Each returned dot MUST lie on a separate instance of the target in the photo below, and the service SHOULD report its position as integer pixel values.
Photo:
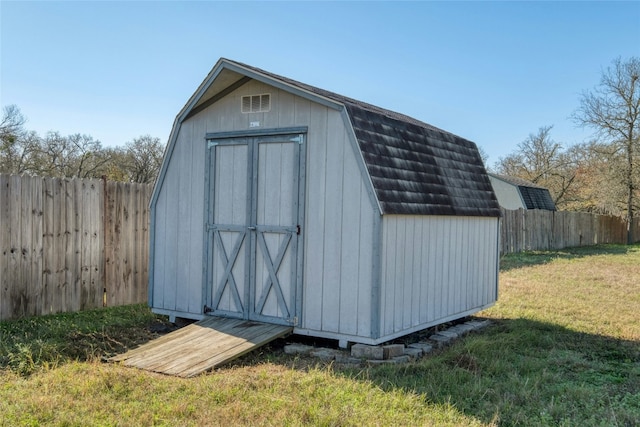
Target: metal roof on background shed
(537, 198)
(415, 168)
(533, 195)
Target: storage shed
(518, 193)
(281, 202)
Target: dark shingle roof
(415, 168)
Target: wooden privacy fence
(71, 244)
(527, 230)
(74, 244)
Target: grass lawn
(564, 349)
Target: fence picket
(5, 218)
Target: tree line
(23, 151)
(602, 175)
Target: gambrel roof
(414, 168)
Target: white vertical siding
(435, 267)
(339, 214)
(339, 233)
(333, 199)
(183, 226)
(314, 217)
(178, 227)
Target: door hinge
(294, 321)
(298, 230)
(207, 309)
(297, 139)
(211, 144)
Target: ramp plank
(201, 346)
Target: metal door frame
(252, 231)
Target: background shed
(285, 203)
(518, 193)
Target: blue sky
(492, 72)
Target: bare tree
(12, 122)
(543, 161)
(144, 158)
(70, 156)
(16, 144)
(612, 109)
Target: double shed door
(253, 227)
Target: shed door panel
(276, 229)
(253, 228)
(228, 240)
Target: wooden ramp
(201, 346)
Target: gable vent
(256, 103)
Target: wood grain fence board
(20, 247)
(131, 249)
(109, 254)
(47, 246)
(5, 223)
(142, 235)
(125, 254)
(36, 245)
(145, 218)
(60, 243)
(24, 248)
(97, 236)
(138, 272)
(123, 272)
(88, 220)
(16, 293)
(120, 271)
(96, 249)
(111, 232)
(84, 249)
(130, 259)
(73, 267)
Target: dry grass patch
(593, 289)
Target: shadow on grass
(531, 258)
(525, 372)
(515, 372)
